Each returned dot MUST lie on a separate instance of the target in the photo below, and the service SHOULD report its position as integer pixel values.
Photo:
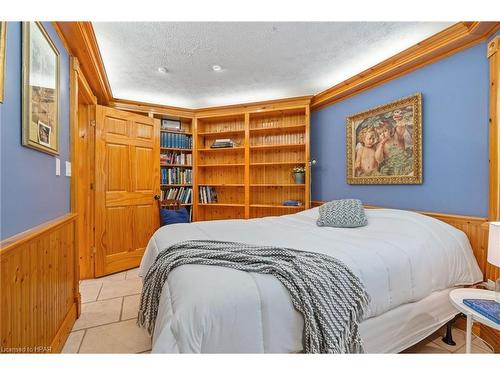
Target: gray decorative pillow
(342, 213)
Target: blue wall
(455, 139)
(31, 193)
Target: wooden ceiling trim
(455, 38)
(267, 105)
(142, 107)
(81, 42)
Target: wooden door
(127, 178)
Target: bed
(408, 263)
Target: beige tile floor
(107, 323)
(110, 304)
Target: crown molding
(260, 106)
(453, 39)
(80, 40)
(146, 108)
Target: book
(291, 202)
(486, 307)
(208, 194)
(222, 143)
(176, 140)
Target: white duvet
(400, 257)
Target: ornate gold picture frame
(384, 144)
(40, 89)
(3, 40)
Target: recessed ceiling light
(162, 69)
(216, 68)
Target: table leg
(468, 338)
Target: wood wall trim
(260, 106)
(80, 40)
(64, 330)
(147, 108)
(494, 131)
(267, 105)
(19, 239)
(84, 88)
(455, 38)
(64, 42)
(81, 97)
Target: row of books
(176, 176)
(273, 139)
(208, 194)
(179, 158)
(182, 194)
(176, 140)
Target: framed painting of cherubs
(384, 144)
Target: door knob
(157, 197)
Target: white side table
(456, 298)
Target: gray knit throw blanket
(330, 297)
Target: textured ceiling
(259, 60)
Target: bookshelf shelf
(223, 149)
(174, 132)
(221, 204)
(277, 163)
(176, 185)
(278, 185)
(277, 206)
(222, 165)
(223, 185)
(175, 149)
(176, 165)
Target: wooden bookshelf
(222, 169)
(253, 178)
(178, 158)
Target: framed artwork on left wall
(3, 40)
(40, 88)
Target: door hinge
(91, 186)
(92, 123)
(93, 250)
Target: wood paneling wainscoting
(39, 295)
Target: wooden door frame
(80, 94)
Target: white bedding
(400, 257)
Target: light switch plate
(58, 167)
(68, 169)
